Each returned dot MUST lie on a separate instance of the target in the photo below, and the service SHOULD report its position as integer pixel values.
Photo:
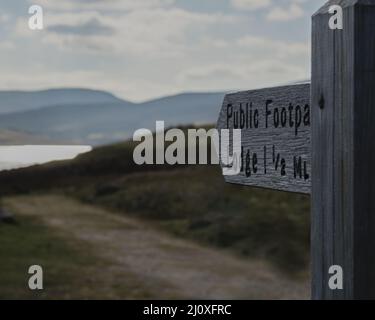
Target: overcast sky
(141, 49)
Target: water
(13, 157)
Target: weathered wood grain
(275, 143)
(343, 151)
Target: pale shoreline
(14, 157)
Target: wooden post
(343, 150)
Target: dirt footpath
(171, 267)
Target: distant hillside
(102, 122)
(9, 137)
(189, 201)
(15, 101)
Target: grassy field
(90, 253)
(72, 268)
(248, 221)
(191, 202)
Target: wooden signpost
(337, 167)
(275, 127)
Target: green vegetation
(195, 203)
(192, 202)
(73, 270)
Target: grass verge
(71, 269)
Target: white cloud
(294, 11)
(150, 48)
(106, 5)
(266, 72)
(253, 62)
(275, 48)
(7, 45)
(150, 33)
(4, 18)
(282, 12)
(250, 4)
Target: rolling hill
(191, 202)
(112, 120)
(16, 101)
(10, 137)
